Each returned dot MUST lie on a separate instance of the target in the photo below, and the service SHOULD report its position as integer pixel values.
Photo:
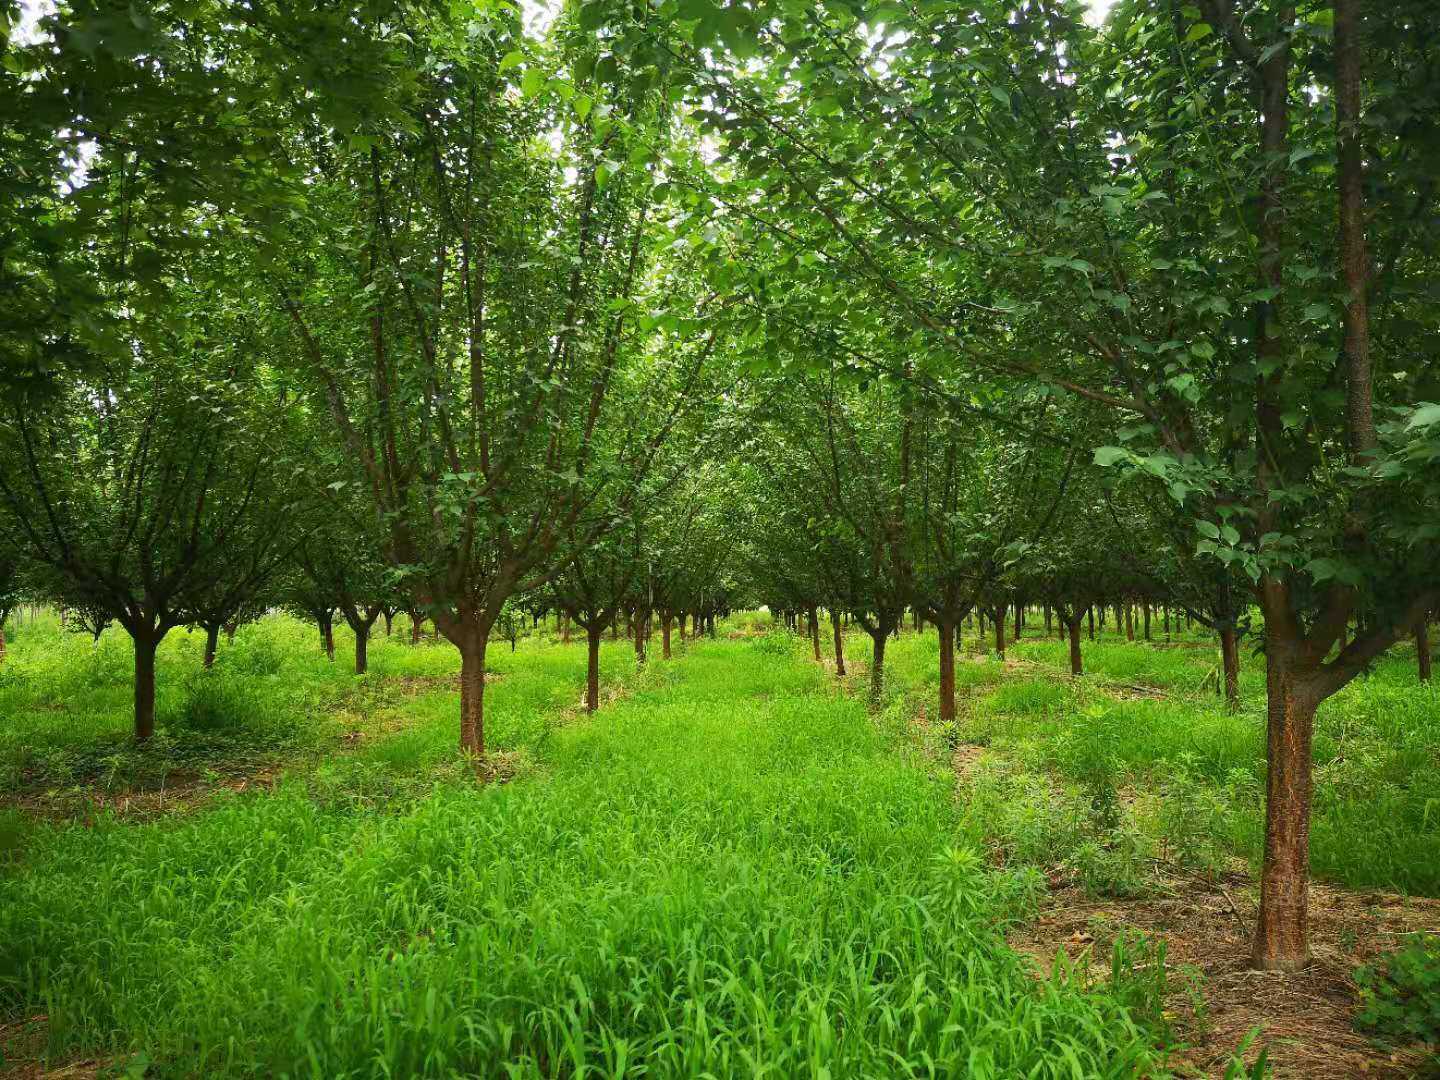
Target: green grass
(730, 871)
(1196, 769)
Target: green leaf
(1109, 455)
(511, 59)
(1199, 32)
(1207, 528)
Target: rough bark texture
(665, 621)
(1354, 260)
(472, 695)
(839, 644)
(1000, 633)
(1281, 940)
(1076, 668)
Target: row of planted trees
(974, 302)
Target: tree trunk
(947, 668)
(472, 698)
(1091, 613)
(1129, 622)
(815, 632)
(1422, 648)
(1230, 661)
(710, 621)
(389, 617)
(362, 649)
(839, 644)
(592, 669)
(1000, 632)
(1019, 619)
(665, 621)
(1048, 628)
(1281, 939)
(145, 687)
(1146, 609)
(637, 626)
(1073, 629)
(565, 629)
(1166, 610)
(212, 644)
(877, 662)
(329, 631)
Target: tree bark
(212, 644)
(145, 647)
(1091, 613)
(839, 644)
(1073, 629)
(1422, 648)
(1230, 661)
(1354, 259)
(472, 693)
(362, 649)
(665, 621)
(592, 669)
(1146, 609)
(815, 632)
(877, 663)
(1000, 632)
(1281, 939)
(1129, 622)
(947, 668)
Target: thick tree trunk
(815, 632)
(839, 644)
(1230, 661)
(330, 639)
(145, 687)
(472, 693)
(1422, 648)
(1073, 629)
(565, 629)
(1281, 939)
(665, 621)
(1129, 622)
(947, 668)
(212, 644)
(592, 669)
(1048, 628)
(1000, 633)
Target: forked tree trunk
(592, 668)
(1422, 649)
(145, 647)
(839, 644)
(1281, 940)
(212, 644)
(1073, 629)
(1230, 661)
(815, 632)
(947, 668)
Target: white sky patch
(1097, 10)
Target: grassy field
(731, 870)
(1142, 760)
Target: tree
(143, 493)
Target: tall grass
(729, 872)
